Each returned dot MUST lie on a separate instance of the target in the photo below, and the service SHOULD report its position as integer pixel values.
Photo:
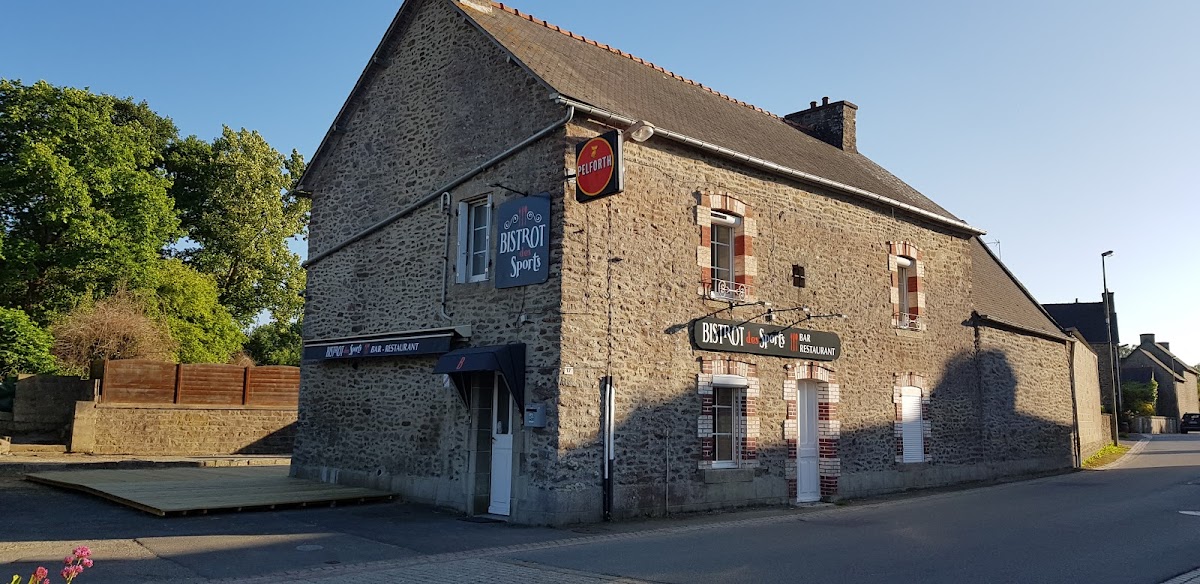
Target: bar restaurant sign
(523, 245)
(430, 345)
(763, 339)
(598, 171)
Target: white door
(808, 483)
(502, 444)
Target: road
(1121, 525)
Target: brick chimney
(1147, 339)
(829, 122)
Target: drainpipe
(1074, 403)
(446, 255)
(444, 189)
(606, 435)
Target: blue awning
(508, 360)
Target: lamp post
(1112, 352)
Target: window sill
(728, 475)
(909, 333)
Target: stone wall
(1094, 429)
(442, 100)
(1155, 425)
(181, 430)
(45, 404)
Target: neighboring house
(1088, 319)
(762, 315)
(1176, 379)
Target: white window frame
(466, 251)
(903, 266)
(735, 425)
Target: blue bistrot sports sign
(523, 245)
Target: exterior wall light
(640, 131)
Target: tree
(24, 346)
(238, 213)
(83, 196)
(186, 302)
(1139, 398)
(116, 327)
(275, 343)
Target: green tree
(1139, 398)
(83, 196)
(186, 302)
(239, 213)
(24, 346)
(275, 343)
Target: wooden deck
(182, 491)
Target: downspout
(446, 208)
(610, 117)
(445, 188)
(1070, 344)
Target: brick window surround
(907, 286)
(829, 429)
(746, 430)
(745, 267)
(911, 380)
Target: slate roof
(997, 295)
(1156, 361)
(618, 82)
(1137, 374)
(1087, 317)
(1167, 352)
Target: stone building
(1177, 389)
(552, 281)
(1088, 319)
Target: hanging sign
(523, 245)
(763, 339)
(428, 345)
(598, 171)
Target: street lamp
(1112, 352)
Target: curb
(1132, 453)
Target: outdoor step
(37, 448)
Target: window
(722, 246)
(725, 427)
(904, 270)
(908, 290)
(727, 265)
(474, 240)
(912, 433)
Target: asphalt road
(1121, 525)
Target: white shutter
(910, 428)
(460, 266)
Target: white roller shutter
(910, 428)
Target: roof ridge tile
(555, 27)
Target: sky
(1064, 129)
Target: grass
(1105, 455)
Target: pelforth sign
(523, 245)
(598, 170)
(764, 339)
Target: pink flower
(87, 562)
(67, 573)
(40, 573)
(67, 560)
(82, 551)
(46, 581)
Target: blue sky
(1062, 128)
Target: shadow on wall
(986, 421)
(278, 442)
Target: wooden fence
(153, 382)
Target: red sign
(598, 167)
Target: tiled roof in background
(996, 294)
(610, 79)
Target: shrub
(1139, 398)
(24, 346)
(116, 327)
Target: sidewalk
(16, 465)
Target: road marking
(1196, 513)
(1188, 578)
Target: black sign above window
(763, 339)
